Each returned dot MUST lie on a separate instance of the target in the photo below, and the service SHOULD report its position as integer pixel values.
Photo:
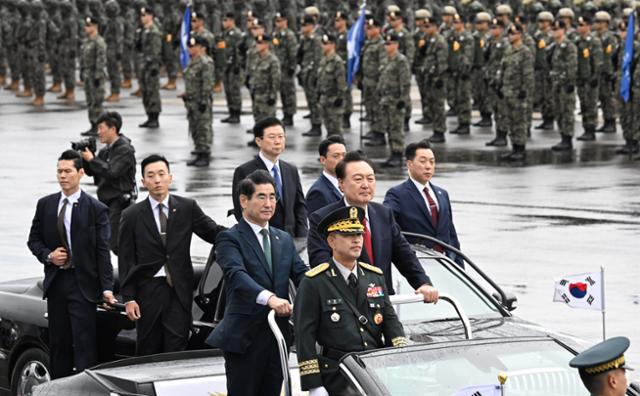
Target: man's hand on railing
(281, 306)
(429, 293)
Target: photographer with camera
(113, 169)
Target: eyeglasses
(264, 198)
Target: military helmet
(66, 5)
(537, 7)
(527, 2)
(566, 12)
(422, 14)
(554, 5)
(603, 16)
(392, 8)
(626, 12)
(483, 17)
(314, 11)
(504, 9)
(449, 10)
(466, 2)
(578, 3)
(545, 16)
(112, 8)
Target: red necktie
(434, 214)
(368, 246)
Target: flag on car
(479, 390)
(355, 40)
(185, 30)
(627, 60)
(584, 291)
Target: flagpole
(604, 330)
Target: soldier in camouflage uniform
(265, 79)
(607, 81)
(420, 42)
(37, 55)
(171, 21)
(67, 47)
(436, 53)
(498, 44)
(460, 62)
(114, 37)
(332, 84)
(233, 72)
(4, 15)
(564, 69)
(130, 24)
(340, 25)
(589, 64)
(198, 29)
(149, 78)
(94, 61)
(541, 97)
(23, 27)
(567, 15)
(372, 56)
(517, 86)
(407, 48)
(198, 78)
(285, 47)
(446, 30)
(8, 25)
(479, 84)
(629, 110)
(54, 21)
(309, 55)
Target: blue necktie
(276, 177)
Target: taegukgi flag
(584, 291)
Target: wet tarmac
(524, 225)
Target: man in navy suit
(258, 261)
(325, 189)
(383, 241)
(421, 207)
(290, 212)
(70, 235)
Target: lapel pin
(174, 211)
(278, 238)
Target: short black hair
(261, 125)
(154, 158)
(593, 382)
(323, 148)
(351, 156)
(113, 119)
(72, 155)
(248, 186)
(412, 148)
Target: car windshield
(532, 367)
(448, 280)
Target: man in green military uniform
(564, 68)
(542, 99)
(309, 55)
(493, 75)
(149, 78)
(37, 53)
(265, 79)
(589, 64)
(460, 62)
(285, 46)
(332, 86)
(94, 61)
(68, 50)
(434, 72)
(130, 23)
(480, 87)
(170, 25)
(603, 367)
(630, 109)
(340, 25)
(233, 71)
(343, 306)
(406, 48)
(607, 83)
(420, 42)
(372, 57)
(198, 78)
(114, 37)
(198, 29)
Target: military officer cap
(147, 11)
(497, 23)
(395, 14)
(391, 37)
(229, 15)
(483, 17)
(603, 16)
(449, 10)
(458, 18)
(341, 15)
(281, 15)
(504, 9)
(198, 40)
(559, 24)
(256, 23)
(602, 357)
(527, 2)
(328, 38)
(346, 220)
(422, 14)
(566, 12)
(91, 20)
(584, 20)
(197, 15)
(263, 38)
(545, 16)
(314, 11)
(372, 22)
(308, 20)
(516, 28)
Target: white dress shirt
(333, 180)
(156, 217)
(432, 193)
(267, 162)
(263, 296)
(345, 272)
(73, 200)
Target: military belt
(334, 354)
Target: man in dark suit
(154, 262)
(290, 212)
(258, 261)
(70, 236)
(383, 242)
(325, 189)
(421, 207)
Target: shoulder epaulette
(371, 268)
(316, 270)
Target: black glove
(300, 80)
(202, 107)
(236, 70)
(271, 101)
(291, 72)
(400, 105)
(153, 72)
(439, 84)
(568, 88)
(96, 82)
(337, 102)
(522, 95)
(594, 83)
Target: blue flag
(625, 83)
(185, 31)
(355, 40)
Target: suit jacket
(142, 253)
(90, 234)
(291, 213)
(389, 245)
(412, 215)
(321, 194)
(246, 274)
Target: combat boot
(462, 129)
(485, 121)
(38, 101)
(499, 141)
(93, 131)
(609, 126)
(234, 117)
(3, 81)
(126, 83)
(307, 116)
(137, 93)
(451, 113)
(377, 140)
(365, 118)
(55, 88)
(26, 93)
(346, 121)
(394, 161)
(630, 147)
(437, 137)
(546, 124)
(517, 154)
(217, 87)
(287, 119)
(370, 135)
(15, 85)
(589, 134)
(565, 144)
(152, 121)
(114, 97)
(252, 143)
(316, 130)
(201, 160)
(170, 85)
(424, 121)
(71, 96)
(406, 125)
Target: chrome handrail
(282, 349)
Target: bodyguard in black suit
(290, 212)
(154, 261)
(325, 190)
(418, 205)
(258, 261)
(383, 242)
(70, 236)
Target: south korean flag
(584, 291)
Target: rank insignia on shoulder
(317, 270)
(370, 268)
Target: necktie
(266, 246)
(434, 215)
(62, 231)
(276, 177)
(368, 246)
(353, 285)
(163, 235)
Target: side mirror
(510, 303)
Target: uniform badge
(421, 43)
(609, 49)
(353, 212)
(541, 44)
(374, 291)
(377, 318)
(335, 317)
(456, 46)
(275, 41)
(221, 45)
(481, 43)
(585, 53)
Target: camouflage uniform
(436, 53)
(564, 68)
(94, 61)
(478, 83)
(372, 57)
(285, 46)
(341, 50)
(393, 85)
(420, 42)
(114, 37)
(8, 30)
(54, 21)
(265, 85)
(542, 88)
(198, 78)
(493, 77)
(332, 86)
(517, 82)
(130, 24)
(171, 22)
(149, 78)
(589, 64)
(408, 49)
(607, 81)
(68, 46)
(460, 62)
(309, 55)
(233, 72)
(630, 111)
(37, 42)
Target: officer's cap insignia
(346, 220)
(317, 270)
(353, 212)
(371, 268)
